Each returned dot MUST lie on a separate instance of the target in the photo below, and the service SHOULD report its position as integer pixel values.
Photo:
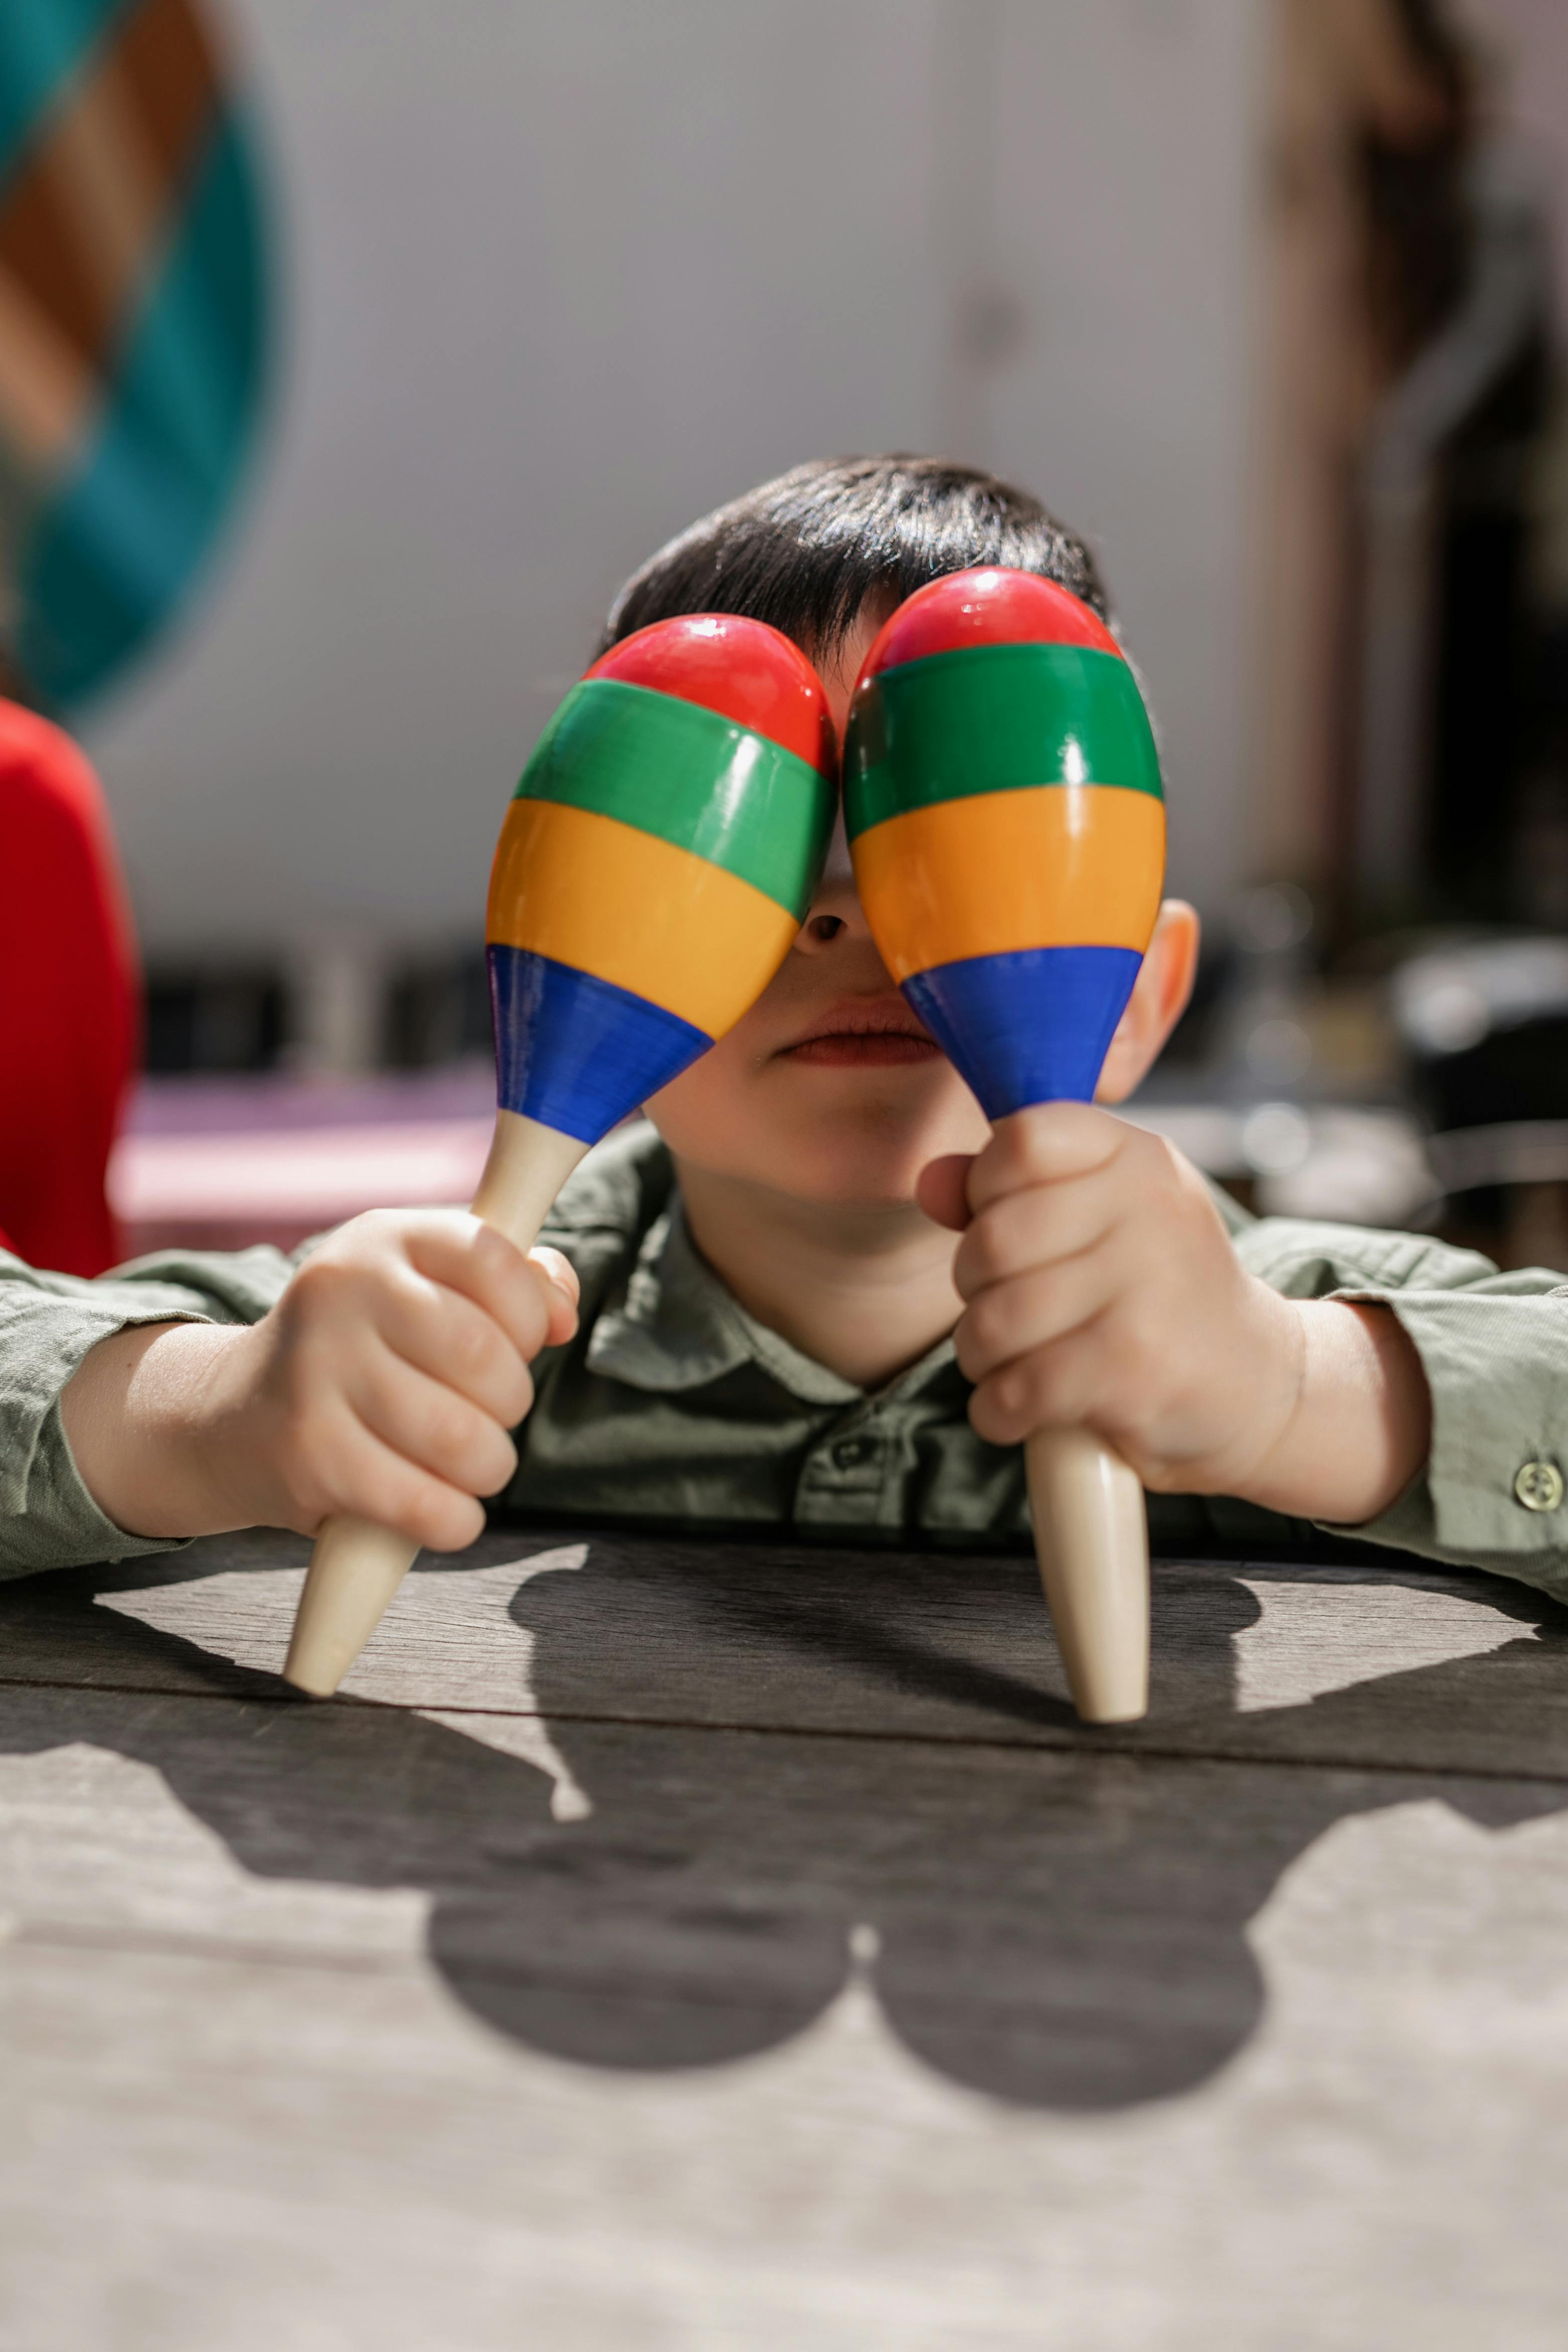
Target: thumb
(941, 1190)
(562, 1293)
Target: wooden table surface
(688, 1946)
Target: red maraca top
(743, 670)
(985, 606)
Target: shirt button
(1538, 1485)
(849, 1451)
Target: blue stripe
(114, 552)
(42, 42)
(576, 1053)
(1030, 1027)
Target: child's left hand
(1101, 1290)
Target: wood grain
(1407, 1667)
(704, 1944)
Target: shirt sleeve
(48, 1324)
(1494, 1348)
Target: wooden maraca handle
(1093, 1539)
(356, 1566)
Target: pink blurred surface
(219, 1163)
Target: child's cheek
(701, 1113)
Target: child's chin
(838, 1177)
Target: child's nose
(835, 909)
(835, 914)
(838, 867)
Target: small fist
(388, 1377)
(1100, 1290)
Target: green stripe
(120, 542)
(43, 44)
(692, 777)
(992, 719)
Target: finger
(471, 1256)
(1041, 1145)
(1040, 1226)
(349, 1470)
(563, 1292)
(429, 1425)
(1032, 1310)
(1052, 1388)
(442, 1334)
(939, 1190)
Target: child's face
(829, 1089)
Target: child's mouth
(857, 1038)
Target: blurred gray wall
(1524, 47)
(561, 277)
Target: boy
(754, 1309)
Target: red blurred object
(69, 1000)
(986, 606)
(743, 670)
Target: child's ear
(1157, 1001)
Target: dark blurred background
(349, 357)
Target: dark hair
(805, 552)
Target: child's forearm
(1362, 1425)
(134, 1414)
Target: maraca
(1003, 801)
(652, 872)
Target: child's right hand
(384, 1382)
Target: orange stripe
(635, 911)
(83, 219)
(1058, 867)
(44, 390)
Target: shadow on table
(1059, 1927)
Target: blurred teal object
(134, 314)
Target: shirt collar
(680, 1327)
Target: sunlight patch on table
(1327, 1633)
(449, 1636)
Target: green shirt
(673, 1403)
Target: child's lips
(864, 1037)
